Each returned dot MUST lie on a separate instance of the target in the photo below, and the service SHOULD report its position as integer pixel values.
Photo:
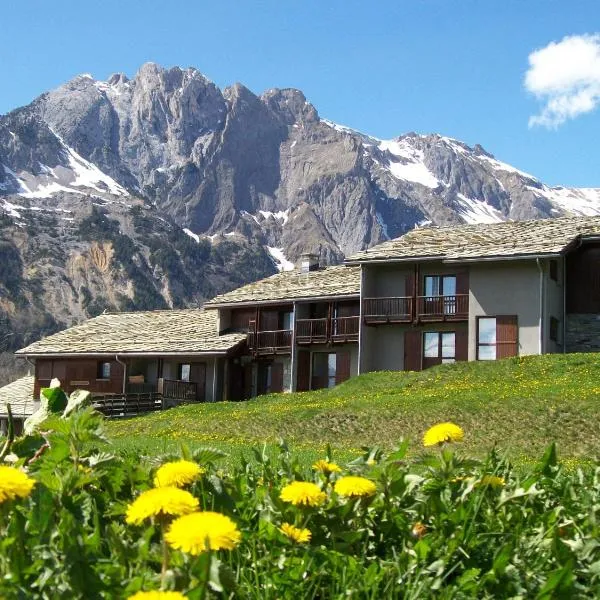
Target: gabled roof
(288, 286)
(188, 331)
(19, 394)
(511, 239)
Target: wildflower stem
(165, 556)
(206, 575)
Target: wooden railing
(312, 331)
(127, 405)
(388, 310)
(270, 341)
(180, 390)
(345, 329)
(443, 307)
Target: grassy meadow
(144, 509)
(518, 405)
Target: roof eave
(280, 301)
(122, 354)
(470, 259)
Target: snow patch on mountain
(576, 201)
(282, 215)
(411, 163)
(281, 262)
(477, 211)
(192, 235)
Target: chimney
(308, 262)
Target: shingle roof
(294, 285)
(508, 239)
(160, 331)
(19, 394)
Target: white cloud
(566, 76)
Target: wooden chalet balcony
(388, 310)
(443, 308)
(345, 329)
(184, 391)
(321, 331)
(312, 331)
(270, 342)
(401, 309)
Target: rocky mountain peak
(192, 190)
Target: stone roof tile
(502, 240)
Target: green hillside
(519, 404)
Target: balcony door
(440, 294)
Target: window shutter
(277, 377)
(412, 350)
(342, 366)
(303, 377)
(462, 282)
(409, 284)
(462, 345)
(506, 336)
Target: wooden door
(236, 382)
(247, 381)
(342, 367)
(198, 376)
(303, 375)
(412, 350)
(276, 377)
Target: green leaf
(559, 584)
(57, 399)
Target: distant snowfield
(579, 201)
(477, 211)
(407, 163)
(79, 173)
(281, 262)
(411, 166)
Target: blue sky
(456, 67)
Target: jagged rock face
(247, 176)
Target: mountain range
(164, 190)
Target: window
(554, 323)
(440, 285)
(103, 370)
(324, 370)
(497, 337)
(331, 369)
(486, 338)
(554, 270)
(440, 345)
(184, 372)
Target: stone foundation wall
(583, 333)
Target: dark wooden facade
(583, 280)
(78, 373)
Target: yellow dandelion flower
(202, 531)
(303, 493)
(492, 481)
(441, 433)
(160, 502)
(354, 487)
(158, 596)
(326, 467)
(295, 534)
(14, 484)
(178, 473)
